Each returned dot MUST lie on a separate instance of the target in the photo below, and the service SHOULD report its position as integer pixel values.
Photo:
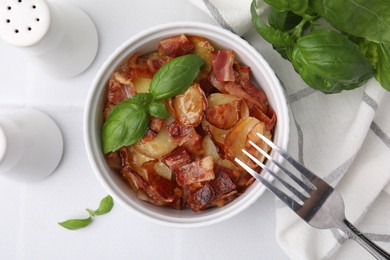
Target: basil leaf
(105, 206)
(296, 6)
(379, 56)
(141, 99)
(281, 41)
(175, 76)
(73, 224)
(126, 124)
(158, 109)
(283, 20)
(365, 18)
(329, 62)
(382, 73)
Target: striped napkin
(344, 138)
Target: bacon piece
(156, 123)
(257, 94)
(225, 199)
(244, 182)
(175, 46)
(181, 134)
(124, 154)
(222, 184)
(197, 171)
(244, 80)
(135, 181)
(114, 161)
(201, 198)
(194, 145)
(234, 175)
(243, 72)
(268, 119)
(152, 61)
(158, 188)
(117, 92)
(216, 84)
(177, 158)
(206, 86)
(149, 135)
(223, 65)
(235, 89)
(187, 137)
(137, 68)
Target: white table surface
(30, 212)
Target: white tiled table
(30, 212)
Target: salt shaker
(31, 145)
(61, 39)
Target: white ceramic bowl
(145, 42)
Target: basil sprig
(353, 47)
(129, 120)
(105, 206)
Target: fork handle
(370, 246)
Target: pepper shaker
(31, 145)
(61, 39)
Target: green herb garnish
(175, 76)
(105, 206)
(330, 59)
(129, 120)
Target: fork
(318, 204)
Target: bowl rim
(90, 144)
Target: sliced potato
(203, 48)
(224, 116)
(216, 99)
(141, 85)
(236, 140)
(244, 110)
(157, 147)
(189, 106)
(217, 133)
(121, 78)
(163, 170)
(252, 136)
(211, 150)
(136, 160)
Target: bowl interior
(145, 42)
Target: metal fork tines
(312, 199)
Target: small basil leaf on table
(73, 224)
(105, 206)
(328, 61)
(158, 109)
(175, 76)
(126, 124)
(365, 18)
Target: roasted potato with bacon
(187, 159)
